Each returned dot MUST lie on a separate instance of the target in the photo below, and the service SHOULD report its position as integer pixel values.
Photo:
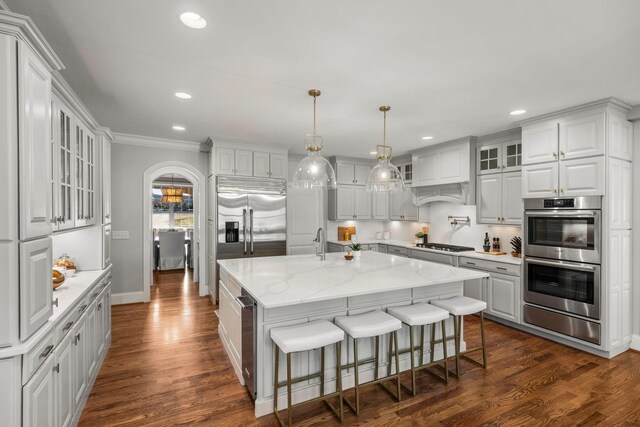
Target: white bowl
(70, 273)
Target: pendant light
(172, 194)
(314, 171)
(384, 176)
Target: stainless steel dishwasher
(248, 305)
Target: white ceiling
(447, 68)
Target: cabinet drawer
(231, 285)
(65, 325)
(32, 360)
(397, 250)
(433, 257)
(493, 266)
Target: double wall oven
(562, 269)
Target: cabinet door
(539, 143)
(244, 163)
(63, 379)
(90, 164)
(540, 180)
(225, 161)
(106, 181)
(380, 205)
(10, 291)
(80, 348)
(512, 204)
(345, 173)
(223, 310)
(8, 136)
(304, 216)
(490, 158)
(91, 339)
(107, 315)
(38, 398)
(81, 178)
(362, 203)
(36, 285)
(620, 137)
(453, 164)
(582, 177)
(475, 289)
(261, 164)
(410, 210)
(361, 174)
(426, 168)
(511, 156)
(619, 194)
(490, 199)
(100, 325)
(503, 298)
(34, 154)
(235, 330)
(396, 207)
(345, 202)
(277, 166)
(582, 136)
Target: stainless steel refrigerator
(252, 218)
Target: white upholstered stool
(422, 314)
(371, 325)
(458, 307)
(305, 337)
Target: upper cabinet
(105, 146)
(499, 157)
(229, 159)
(85, 174)
(564, 156)
(34, 154)
(352, 173)
(448, 163)
(402, 207)
(63, 155)
(351, 200)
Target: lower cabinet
(63, 379)
(38, 397)
(230, 325)
(80, 360)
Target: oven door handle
(563, 213)
(569, 265)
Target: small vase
(356, 254)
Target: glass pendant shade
(314, 171)
(385, 177)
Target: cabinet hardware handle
(100, 306)
(470, 263)
(46, 351)
(56, 368)
(562, 153)
(501, 268)
(562, 190)
(67, 326)
(555, 156)
(83, 308)
(555, 191)
(77, 337)
(54, 302)
(498, 218)
(107, 216)
(502, 219)
(94, 295)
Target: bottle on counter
(497, 244)
(486, 246)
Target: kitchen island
(293, 289)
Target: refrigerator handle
(251, 229)
(244, 229)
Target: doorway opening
(174, 241)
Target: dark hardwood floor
(166, 366)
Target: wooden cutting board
(341, 231)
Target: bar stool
(305, 337)
(458, 307)
(370, 325)
(422, 314)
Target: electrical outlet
(120, 235)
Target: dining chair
(171, 250)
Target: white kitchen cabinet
(443, 164)
(406, 172)
(106, 179)
(620, 137)
(489, 158)
(350, 202)
(9, 289)
(344, 202)
(503, 297)
(62, 167)
(36, 286)
(402, 207)
(582, 136)
(619, 194)
(244, 163)
(106, 317)
(63, 380)
(489, 189)
(380, 205)
(512, 203)
(269, 165)
(475, 289)
(582, 177)
(361, 174)
(80, 357)
(92, 339)
(540, 143)
(304, 217)
(351, 173)
(38, 398)
(34, 154)
(363, 203)
(540, 180)
(82, 179)
(234, 162)
(8, 138)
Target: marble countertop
(73, 289)
(298, 279)
(507, 259)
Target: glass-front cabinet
(62, 148)
(500, 157)
(85, 176)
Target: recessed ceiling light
(373, 152)
(183, 95)
(426, 138)
(193, 20)
(517, 112)
(178, 127)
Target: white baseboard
(635, 342)
(127, 298)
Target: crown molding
(3, 6)
(152, 142)
(634, 113)
(106, 132)
(252, 145)
(504, 135)
(471, 139)
(61, 88)
(23, 28)
(601, 103)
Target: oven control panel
(559, 203)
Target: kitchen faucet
(322, 241)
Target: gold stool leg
(339, 377)
(289, 397)
(484, 348)
(413, 362)
(444, 351)
(275, 380)
(377, 358)
(432, 347)
(398, 385)
(457, 327)
(421, 345)
(355, 366)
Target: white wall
(635, 284)
(128, 164)
(84, 245)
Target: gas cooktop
(445, 248)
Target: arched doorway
(199, 202)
